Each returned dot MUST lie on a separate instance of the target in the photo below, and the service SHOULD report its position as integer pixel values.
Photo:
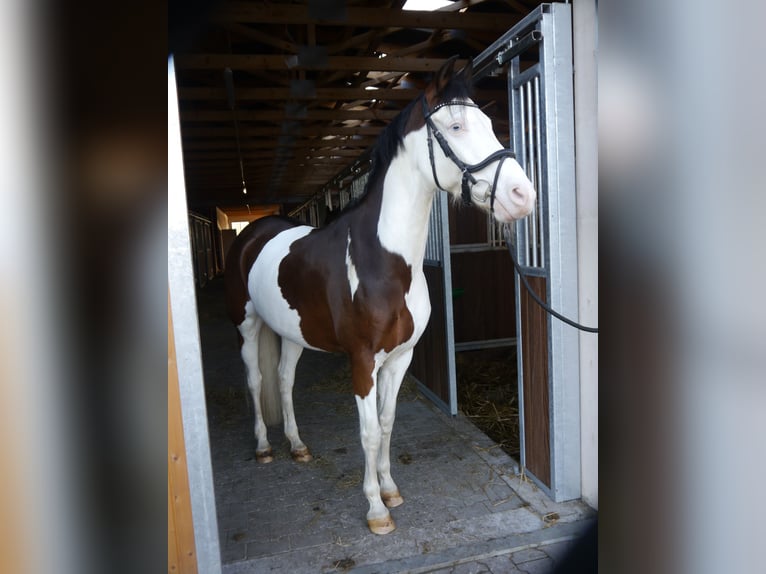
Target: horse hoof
(392, 499)
(265, 456)
(382, 525)
(302, 455)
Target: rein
(468, 179)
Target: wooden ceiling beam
(358, 40)
(262, 165)
(284, 63)
(368, 17)
(261, 131)
(312, 143)
(290, 152)
(258, 35)
(281, 115)
(331, 94)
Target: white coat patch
(264, 290)
(353, 278)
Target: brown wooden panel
(534, 333)
(429, 361)
(466, 224)
(484, 302)
(182, 556)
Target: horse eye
(455, 127)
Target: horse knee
(387, 422)
(371, 436)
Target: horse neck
(405, 207)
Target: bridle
(468, 169)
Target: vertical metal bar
(558, 99)
(515, 134)
(441, 206)
(539, 175)
(531, 171)
(523, 149)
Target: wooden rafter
(285, 63)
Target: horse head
(464, 156)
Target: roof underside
(313, 85)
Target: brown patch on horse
(240, 258)
(314, 281)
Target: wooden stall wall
(484, 301)
(482, 281)
(534, 351)
(182, 558)
(429, 361)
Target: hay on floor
(488, 394)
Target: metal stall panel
(542, 131)
(433, 363)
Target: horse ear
(441, 79)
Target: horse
(357, 284)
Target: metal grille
(530, 154)
(357, 186)
(435, 243)
(343, 198)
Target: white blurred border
(44, 523)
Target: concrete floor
(466, 509)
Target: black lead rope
(534, 296)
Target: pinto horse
(357, 285)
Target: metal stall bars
(540, 95)
(434, 360)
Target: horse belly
(265, 293)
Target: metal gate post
(542, 131)
(188, 351)
(564, 357)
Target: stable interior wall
(482, 281)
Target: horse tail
(269, 349)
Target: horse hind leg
(250, 330)
(291, 352)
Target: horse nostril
(518, 195)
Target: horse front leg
(389, 381)
(364, 373)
